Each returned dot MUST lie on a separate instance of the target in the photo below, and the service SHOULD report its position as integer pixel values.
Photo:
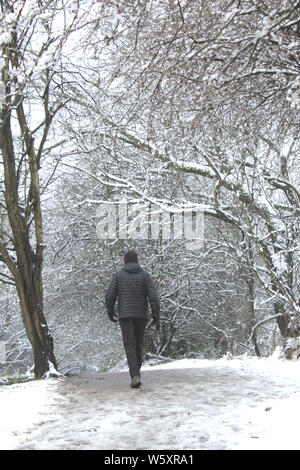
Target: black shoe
(136, 381)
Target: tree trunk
(29, 288)
(25, 264)
(36, 327)
(290, 331)
(250, 281)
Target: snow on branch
(260, 323)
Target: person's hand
(114, 318)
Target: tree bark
(26, 265)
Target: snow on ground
(20, 406)
(231, 403)
(271, 424)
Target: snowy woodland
(190, 103)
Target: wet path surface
(209, 408)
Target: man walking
(133, 287)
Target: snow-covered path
(194, 404)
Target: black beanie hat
(130, 257)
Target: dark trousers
(133, 331)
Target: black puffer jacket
(133, 287)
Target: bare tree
(209, 100)
(32, 38)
